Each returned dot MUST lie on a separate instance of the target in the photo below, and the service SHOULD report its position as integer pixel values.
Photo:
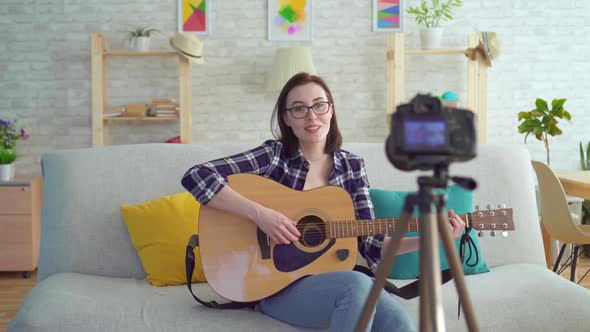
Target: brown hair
(285, 133)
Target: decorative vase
(142, 44)
(430, 38)
(6, 172)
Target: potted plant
(9, 134)
(430, 14)
(542, 121)
(139, 37)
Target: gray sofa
(90, 277)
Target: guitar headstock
(493, 220)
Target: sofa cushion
(68, 302)
(389, 204)
(159, 230)
(502, 301)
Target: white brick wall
(45, 69)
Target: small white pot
(6, 172)
(142, 44)
(430, 38)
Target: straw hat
(488, 48)
(189, 45)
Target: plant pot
(6, 172)
(430, 38)
(142, 44)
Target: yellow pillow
(159, 230)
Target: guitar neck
(354, 228)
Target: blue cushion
(389, 204)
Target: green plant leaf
(523, 115)
(582, 159)
(557, 103)
(554, 130)
(567, 115)
(541, 105)
(525, 137)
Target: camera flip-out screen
(424, 134)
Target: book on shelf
(156, 101)
(113, 112)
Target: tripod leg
(431, 311)
(383, 271)
(456, 269)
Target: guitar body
(242, 264)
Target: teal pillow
(389, 204)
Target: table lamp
(288, 62)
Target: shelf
(140, 118)
(100, 124)
(435, 51)
(136, 53)
(477, 98)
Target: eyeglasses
(299, 112)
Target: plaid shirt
(271, 160)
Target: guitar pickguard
(288, 257)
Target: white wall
(45, 69)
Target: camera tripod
(431, 311)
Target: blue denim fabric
(336, 300)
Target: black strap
(190, 266)
(408, 291)
(467, 240)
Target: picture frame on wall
(194, 16)
(289, 20)
(388, 15)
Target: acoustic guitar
(242, 264)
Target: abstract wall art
(289, 20)
(388, 15)
(193, 16)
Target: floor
(13, 289)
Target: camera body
(425, 135)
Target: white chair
(557, 218)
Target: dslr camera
(425, 135)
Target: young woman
(307, 155)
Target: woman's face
(311, 128)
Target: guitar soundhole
(313, 231)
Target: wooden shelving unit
(477, 76)
(100, 55)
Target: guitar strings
(345, 225)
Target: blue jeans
(336, 299)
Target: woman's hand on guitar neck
(279, 228)
(457, 224)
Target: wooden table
(575, 183)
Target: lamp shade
(288, 62)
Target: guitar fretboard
(354, 228)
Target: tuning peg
(480, 234)
(504, 233)
(492, 234)
(501, 206)
(489, 206)
(477, 207)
